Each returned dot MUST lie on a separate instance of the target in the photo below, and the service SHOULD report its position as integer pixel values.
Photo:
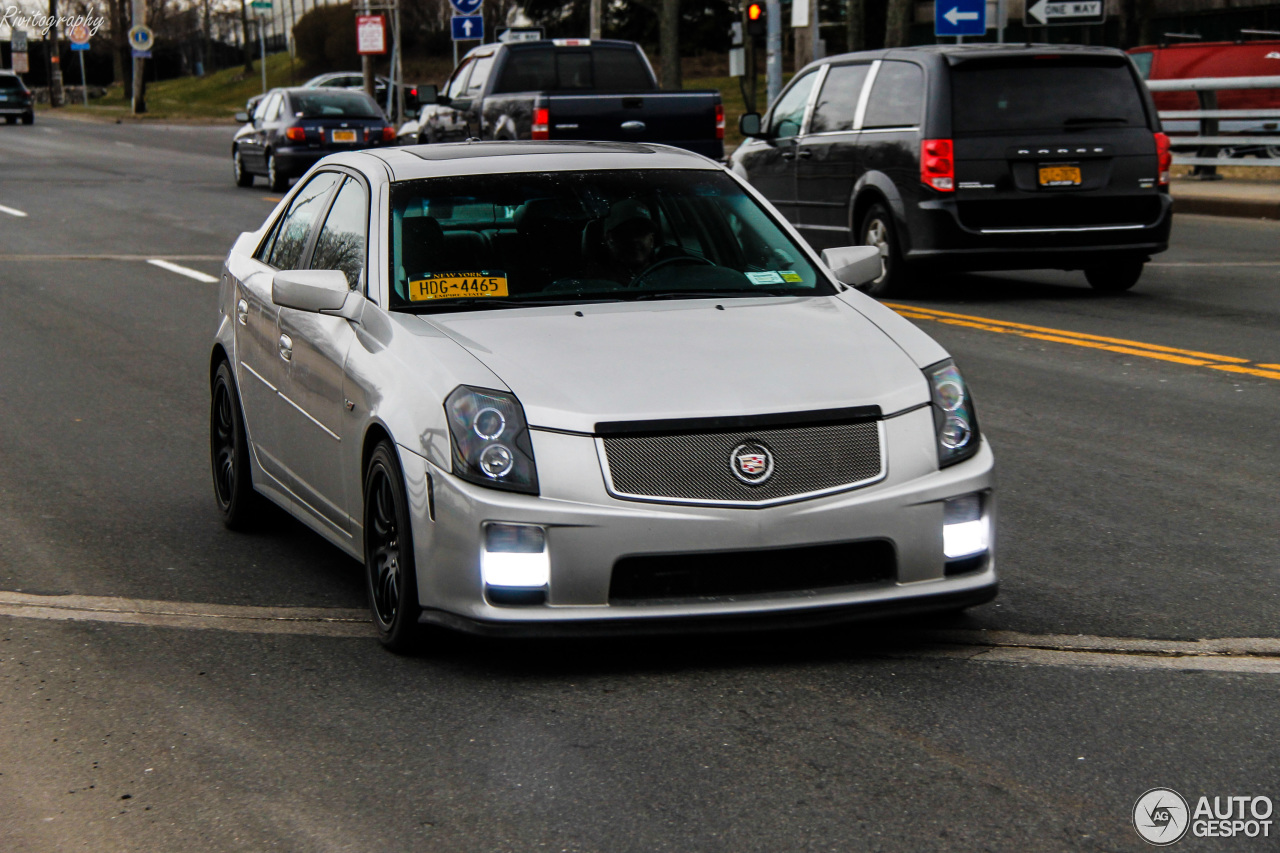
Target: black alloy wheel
(390, 575)
(1114, 277)
(276, 181)
(244, 178)
(238, 503)
(879, 229)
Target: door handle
(788, 155)
(805, 154)
(286, 348)
(242, 312)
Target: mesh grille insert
(782, 570)
(696, 466)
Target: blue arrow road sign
(468, 27)
(467, 7)
(959, 17)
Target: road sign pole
(139, 64)
(262, 54)
(84, 84)
(1000, 19)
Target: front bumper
(588, 531)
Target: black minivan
(970, 157)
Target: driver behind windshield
(630, 241)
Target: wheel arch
(873, 188)
(216, 358)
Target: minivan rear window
(1044, 95)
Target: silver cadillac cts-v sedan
(544, 388)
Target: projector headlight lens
(490, 439)
(954, 418)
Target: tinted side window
(838, 100)
(459, 80)
(479, 76)
(340, 245)
(897, 96)
(528, 71)
(292, 233)
(788, 113)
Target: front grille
(1060, 211)
(663, 577)
(695, 467)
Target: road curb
(1243, 208)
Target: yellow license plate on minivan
(454, 285)
(344, 136)
(1059, 176)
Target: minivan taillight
(719, 121)
(1164, 156)
(541, 123)
(937, 166)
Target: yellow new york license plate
(344, 136)
(453, 285)
(1059, 176)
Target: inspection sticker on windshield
(455, 285)
(766, 277)
(791, 276)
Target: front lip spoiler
(768, 621)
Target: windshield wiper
(712, 294)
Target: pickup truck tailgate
(692, 120)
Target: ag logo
(1161, 816)
(751, 462)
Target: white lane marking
(1259, 655)
(187, 271)
(12, 211)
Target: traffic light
(757, 19)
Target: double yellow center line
(1228, 363)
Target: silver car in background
(549, 388)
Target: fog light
(515, 555)
(965, 530)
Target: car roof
(487, 158)
(955, 54)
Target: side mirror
(428, 94)
(854, 265)
(242, 117)
(749, 124)
(461, 104)
(310, 290)
(444, 100)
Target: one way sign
(468, 27)
(1047, 13)
(960, 17)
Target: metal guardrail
(1210, 142)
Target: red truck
(1217, 59)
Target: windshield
(8, 81)
(1048, 95)
(492, 241)
(333, 104)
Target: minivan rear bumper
(938, 236)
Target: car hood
(577, 365)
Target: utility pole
(669, 36)
(773, 51)
(366, 61)
(245, 40)
(207, 66)
(855, 32)
(55, 60)
(596, 24)
(139, 64)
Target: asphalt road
(1136, 446)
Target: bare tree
(669, 38)
(897, 22)
(855, 25)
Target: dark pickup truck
(567, 89)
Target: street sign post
(142, 39)
(960, 17)
(1049, 14)
(79, 38)
(468, 27)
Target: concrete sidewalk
(1251, 199)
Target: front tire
(390, 574)
(879, 229)
(1114, 277)
(244, 178)
(238, 504)
(277, 182)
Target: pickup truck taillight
(937, 166)
(295, 134)
(719, 121)
(541, 123)
(1165, 156)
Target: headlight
(954, 418)
(490, 440)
